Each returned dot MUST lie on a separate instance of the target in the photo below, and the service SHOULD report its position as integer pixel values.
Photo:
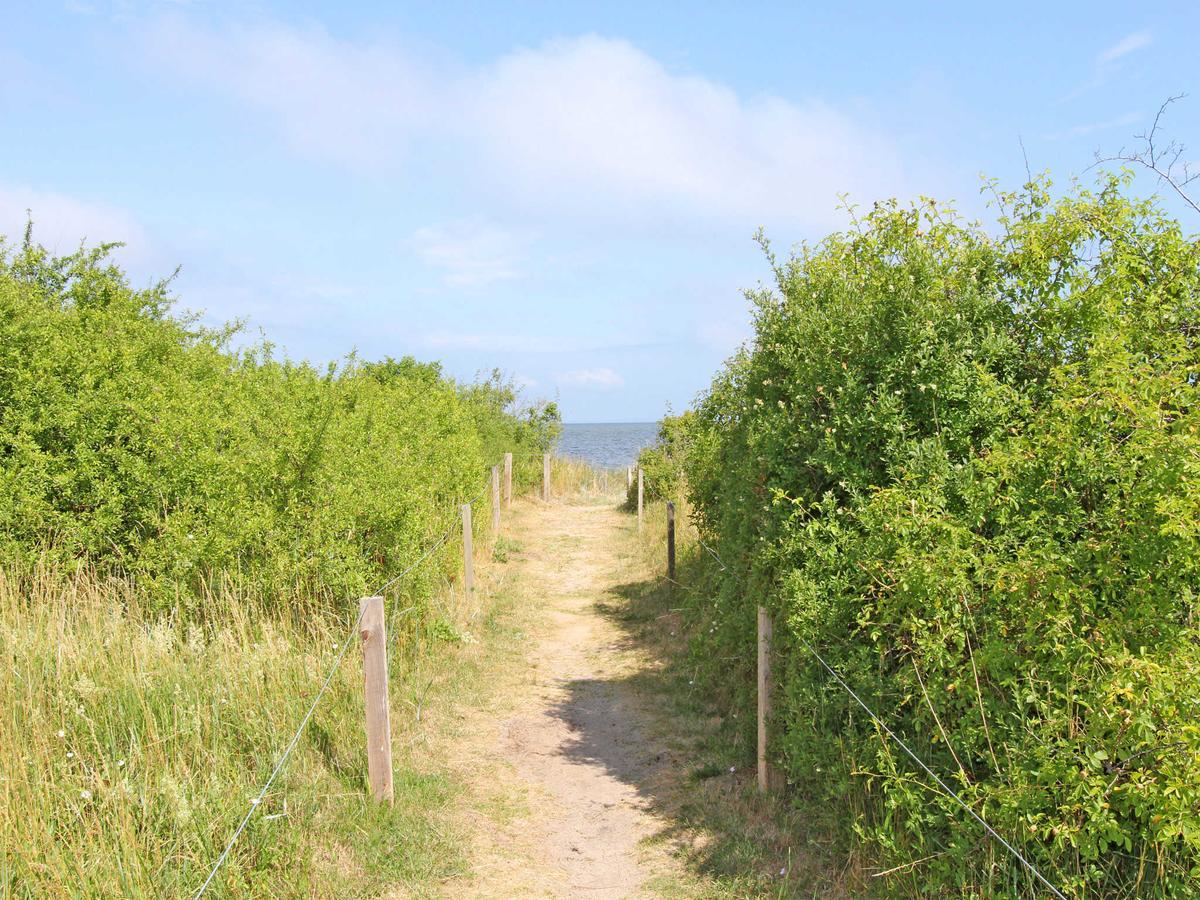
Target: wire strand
(254, 804)
(912, 755)
(257, 801)
(934, 775)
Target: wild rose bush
(964, 465)
(142, 442)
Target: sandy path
(557, 766)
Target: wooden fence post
(641, 494)
(508, 479)
(671, 540)
(379, 729)
(546, 477)
(766, 775)
(495, 502)
(468, 550)
(628, 477)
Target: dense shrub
(139, 441)
(662, 462)
(965, 467)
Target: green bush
(964, 466)
(144, 443)
(662, 463)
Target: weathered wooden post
(379, 729)
(468, 550)
(671, 540)
(546, 477)
(508, 479)
(495, 502)
(628, 478)
(641, 494)
(766, 777)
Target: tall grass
(577, 477)
(132, 746)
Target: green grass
(131, 747)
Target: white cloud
(496, 343)
(493, 342)
(1131, 43)
(471, 252)
(599, 378)
(603, 122)
(589, 125)
(61, 222)
(355, 104)
(1092, 128)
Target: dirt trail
(558, 765)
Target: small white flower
(120, 763)
(86, 795)
(61, 733)
(70, 754)
(733, 768)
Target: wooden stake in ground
(468, 550)
(508, 479)
(628, 477)
(671, 540)
(766, 775)
(495, 502)
(641, 494)
(546, 477)
(379, 729)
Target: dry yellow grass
(130, 747)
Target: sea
(608, 445)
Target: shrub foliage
(141, 441)
(965, 466)
(662, 463)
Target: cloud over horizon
(1131, 43)
(588, 126)
(471, 252)
(61, 222)
(601, 377)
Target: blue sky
(564, 191)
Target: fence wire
(294, 742)
(1030, 867)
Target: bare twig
(1165, 161)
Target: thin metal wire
(932, 774)
(903, 746)
(254, 804)
(424, 556)
(713, 552)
